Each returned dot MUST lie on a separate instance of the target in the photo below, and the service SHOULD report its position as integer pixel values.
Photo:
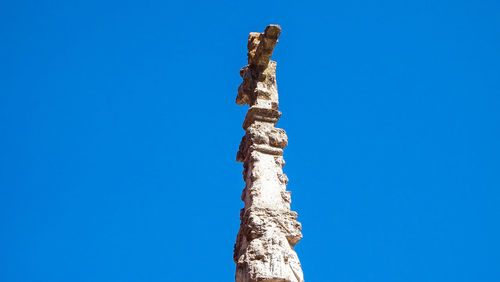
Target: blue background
(119, 133)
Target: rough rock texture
(264, 249)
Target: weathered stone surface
(264, 249)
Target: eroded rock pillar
(264, 249)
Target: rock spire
(264, 249)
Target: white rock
(264, 249)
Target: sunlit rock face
(264, 249)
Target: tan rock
(264, 249)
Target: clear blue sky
(118, 136)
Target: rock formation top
(259, 76)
